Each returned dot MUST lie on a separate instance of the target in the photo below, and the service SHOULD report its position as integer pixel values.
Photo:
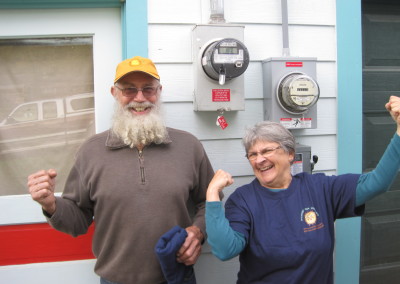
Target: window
(49, 110)
(41, 79)
(82, 104)
(25, 113)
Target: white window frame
(104, 24)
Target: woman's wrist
(212, 194)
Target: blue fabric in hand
(166, 249)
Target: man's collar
(114, 142)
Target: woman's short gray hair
(271, 132)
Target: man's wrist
(49, 211)
(197, 233)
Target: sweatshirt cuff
(214, 209)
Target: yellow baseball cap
(136, 64)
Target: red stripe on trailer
(34, 243)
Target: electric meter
(291, 91)
(225, 59)
(219, 61)
(297, 92)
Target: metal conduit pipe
(217, 12)
(285, 29)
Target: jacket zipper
(141, 163)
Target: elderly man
(136, 181)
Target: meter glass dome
(297, 93)
(227, 58)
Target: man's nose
(140, 97)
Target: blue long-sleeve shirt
(227, 243)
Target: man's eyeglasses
(264, 152)
(131, 92)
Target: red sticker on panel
(221, 95)
(294, 64)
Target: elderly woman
(282, 225)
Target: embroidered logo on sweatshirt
(310, 217)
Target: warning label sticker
(296, 122)
(221, 95)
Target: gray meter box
(302, 160)
(275, 72)
(214, 91)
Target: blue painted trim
(349, 131)
(123, 30)
(135, 28)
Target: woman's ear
(291, 157)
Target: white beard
(139, 130)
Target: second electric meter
(297, 92)
(291, 91)
(225, 59)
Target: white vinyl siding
(312, 33)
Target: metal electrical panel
(219, 60)
(290, 91)
(302, 160)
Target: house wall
(312, 33)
